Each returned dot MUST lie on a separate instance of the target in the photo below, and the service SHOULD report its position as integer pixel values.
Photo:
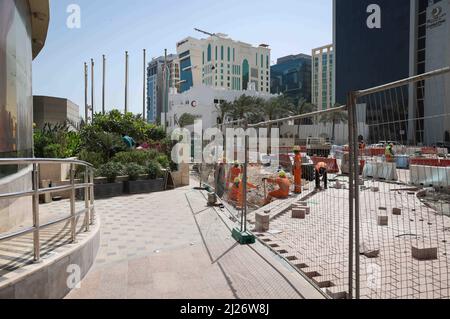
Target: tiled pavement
(169, 245)
(320, 242)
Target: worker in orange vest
(234, 173)
(297, 170)
(237, 192)
(321, 171)
(284, 187)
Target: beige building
(54, 110)
(221, 62)
(323, 77)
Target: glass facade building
(391, 43)
(292, 77)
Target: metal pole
(104, 85)
(86, 106)
(126, 82)
(36, 223)
(92, 88)
(245, 181)
(143, 87)
(72, 203)
(92, 196)
(355, 163)
(86, 199)
(165, 75)
(351, 195)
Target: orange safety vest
(284, 184)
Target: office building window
(209, 52)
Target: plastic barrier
(444, 163)
(374, 151)
(331, 163)
(430, 176)
(402, 161)
(429, 150)
(377, 170)
(425, 161)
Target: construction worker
(321, 171)
(284, 187)
(237, 191)
(234, 173)
(297, 170)
(389, 153)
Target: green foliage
(138, 157)
(154, 170)
(132, 125)
(163, 160)
(187, 119)
(108, 144)
(56, 141)
(134, 170)
(94, 158)
(110, 170)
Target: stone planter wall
(144, 186)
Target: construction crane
(210, 34)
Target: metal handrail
(87, 185)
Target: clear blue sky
(113, 26)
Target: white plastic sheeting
(430, 176)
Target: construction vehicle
(318, 146)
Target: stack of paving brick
(300, 210)
(262, 220)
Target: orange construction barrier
(429, 150)
(332, 166)
(425, 162)
(444, 163)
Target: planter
(102, 191)
(144, 186)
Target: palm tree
(244, 107)
(223, 109)
(303, 107)
(187, 119)
(273, 109)
(337, 117)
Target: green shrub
(52, 151)
(154, 170)
(94, 158)
(142, 158)
(163, 160)
(110, 170)
(134, 170)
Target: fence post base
(243, 238)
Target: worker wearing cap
(284, 187)
(297, 170)
(389, 153)
(321, 171)
(237, 191)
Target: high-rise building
(155, 84)
(221, 62)
(323, 77)
(377, 42)
(291, 76)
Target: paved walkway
(170, 245)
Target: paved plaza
(171, 245)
